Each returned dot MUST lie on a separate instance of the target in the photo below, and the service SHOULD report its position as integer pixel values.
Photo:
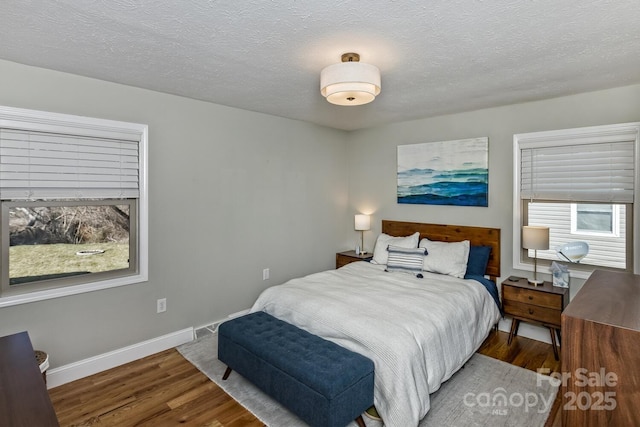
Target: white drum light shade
(350, 83)
(535, 237)
(362, 222)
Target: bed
(417, 330)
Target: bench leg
(360, 421)
(227, 373)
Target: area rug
(486, 392)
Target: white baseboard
(527, 330)
(102, 362)
(213, 326)
(238, 313)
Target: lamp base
(535, 282)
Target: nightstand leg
(514, 330)
(553, 342)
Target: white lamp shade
(350, 83)
(535, 237)
(363, 222)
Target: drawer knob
(530, 297)
(530, 311)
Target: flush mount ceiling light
(350, 82)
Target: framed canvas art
(444, 173)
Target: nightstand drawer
(533, 297)
(539, 304)
(532, 312)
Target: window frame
(615, 221)
(24, 119)
(582, 268)
(521, 261)
(7, 289)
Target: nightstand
(344, 258)
(542, 304)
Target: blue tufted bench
(324, 384)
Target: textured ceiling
(435, 56)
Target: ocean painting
(444, 173)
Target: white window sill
(28, 297)
(579, 274)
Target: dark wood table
(24, 400)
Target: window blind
(586, 172)
(44, 165)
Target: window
(69, 240)
(581, 183)
(73, 205)
(597, 219)
(606, 249)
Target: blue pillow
(478, 260)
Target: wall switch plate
(265, 274)
(162, 305)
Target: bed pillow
(446, 258)
(478, 260)
(406, 260)
(380, 253)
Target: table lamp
(362, 223)
(535, 237)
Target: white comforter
(418, 332)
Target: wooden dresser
(601, 352)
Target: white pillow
(446, 258)
(380, 254)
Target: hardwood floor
(160, 390)
(166, 390)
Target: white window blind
(591, 171)
(44, 165)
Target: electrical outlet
(265, 274)
(162, 305)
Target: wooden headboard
(452, 233)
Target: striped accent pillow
(408, 260)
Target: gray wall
(373, 167)
(233, 192)
(230, 192)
